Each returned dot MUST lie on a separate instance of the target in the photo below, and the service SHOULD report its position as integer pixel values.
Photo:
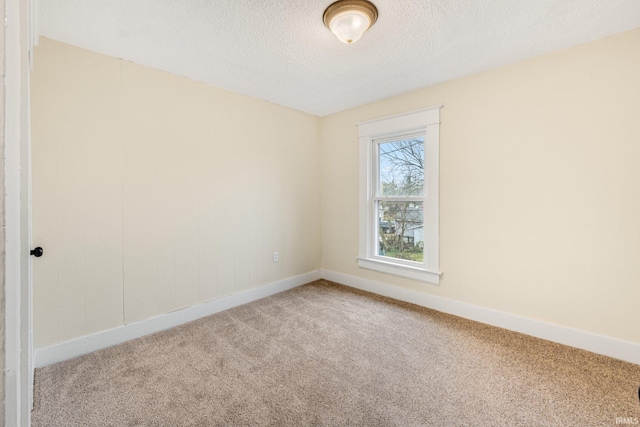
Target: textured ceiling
(280, 51)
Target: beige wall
(539, 190)
(152, 192)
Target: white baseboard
(90, 343)
(607, 346)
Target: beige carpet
(327, 355)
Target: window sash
(375, 250)
(377, 197)
(375, 161)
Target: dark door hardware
(37, 252)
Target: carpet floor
(327, 355)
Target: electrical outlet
(276, 257)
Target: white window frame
(371, 133)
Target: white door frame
(18, 379)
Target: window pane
(400, 230)
(401, 168)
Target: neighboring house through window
(399, 160)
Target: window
(399, 159)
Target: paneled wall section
(152, 192)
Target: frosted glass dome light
(349, 19)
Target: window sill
(400, 270)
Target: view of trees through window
(401, 199)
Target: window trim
(370, 133)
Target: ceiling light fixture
(349, 19)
